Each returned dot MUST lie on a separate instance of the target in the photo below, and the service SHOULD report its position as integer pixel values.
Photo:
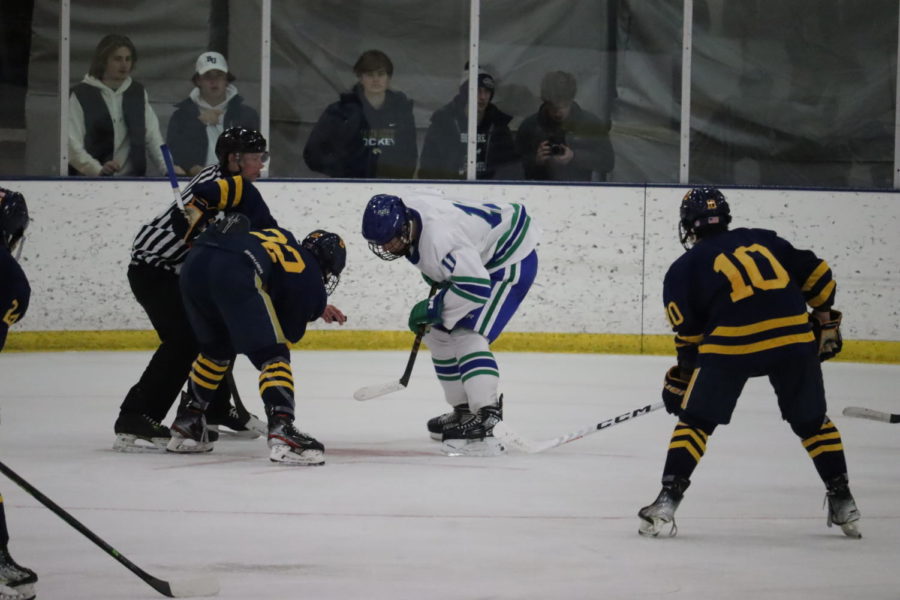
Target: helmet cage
(331, 254)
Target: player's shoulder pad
(227, 193)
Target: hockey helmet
(330, 253)
(384, 219)
(703, 210)
(240, 140)
(13, 218)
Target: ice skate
(659, 517)
(841, 507)
(137, 432)
(189, 431)
(473, 435)
(241, 425)
(289, 446)
(16, 582)
(437, 424)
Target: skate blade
(490, 446)
(656, 527)
(285, 455)
(20, 592)
(182, 445)
(243, 434)
(126, 442)
(851, 530)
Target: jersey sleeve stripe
(813, 279)
(824, 296)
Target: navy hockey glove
(425, 314)
(828, 334)
(673, 391)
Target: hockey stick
(173, 179)
(504, 433)
(868, 413)
(189, 588)
(374, 391)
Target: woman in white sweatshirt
(112, 127)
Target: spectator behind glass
(562, 141)
(369, 132)
(213, 106)
(112, 128)
(444, 152)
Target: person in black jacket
(444, 152)
(370, 132)
(562, 141)
(251, 292)
(213, 106)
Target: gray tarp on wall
(789, 92)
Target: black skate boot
(437, 424)
(189, 431)
(16, 582)
(474, 434)
(137, 432)
(659, 517)
(842, 509)
(289, 446)
(241, 423)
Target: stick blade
(193, 588)
(374, 391)
(866, 413)
(508, 436)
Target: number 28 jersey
(738, 299)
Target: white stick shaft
(868, 413)
(503, 432)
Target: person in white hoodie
(213, 106)
(112, 127)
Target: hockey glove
(673, 391)
(828, 334)
(425, 314)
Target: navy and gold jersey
(739, 298)
(289, 273)
(14, 292)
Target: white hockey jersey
(461, 243)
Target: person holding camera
(562, 141)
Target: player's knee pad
(703, 425)
(263, 355)
(808, 428)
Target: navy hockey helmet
(13, 218)
(331, 254)
(703, 209)
(384, 219)
(240, 140)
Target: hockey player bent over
(16, 582)
(737, 303)
(250, 292)
(483, 259)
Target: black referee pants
(158, 292)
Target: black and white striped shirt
(157, 244)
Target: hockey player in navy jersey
(482, 258)
(251, 292)
(16, 581)
(159, 249)
(737, 302)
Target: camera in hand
(557, 149)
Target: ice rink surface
(389, 517)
